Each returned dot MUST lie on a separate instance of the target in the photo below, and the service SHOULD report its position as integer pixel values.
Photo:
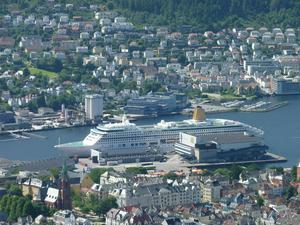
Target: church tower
(298, 171)
(65, 189)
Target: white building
(93, 106)
(159, 195)
(211, 191)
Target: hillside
(201, 14)
(217, 14)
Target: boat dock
(270, 158)
(266, 108)
(34, 135)
(18, 135)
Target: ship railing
(255, 130)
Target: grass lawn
(229, 97)
(226, 97)
(47, 73)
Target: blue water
(281, 127)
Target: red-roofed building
(128, 215)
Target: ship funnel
(199, 114)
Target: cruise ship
(126, 138)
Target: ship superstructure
(128, 138)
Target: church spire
(64, 170)
(65, 189)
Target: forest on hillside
(207, 14)
(201, 14)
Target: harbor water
(281, 127)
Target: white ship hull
(127, 138)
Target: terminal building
(220, 146)
(285, 86)
(155, 105)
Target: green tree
(97, 172)
(32, 106)
(40, 100)
(294, 173)
(26, 72)
(3, 202)
(235, 172)
(278, 169)
(102, 206)
(15, 190)
(19, 208)
(290, 192)
(171, 176)
(55, 172)
(110, 5)
(260, 201)
(136, 170)
(27, 208)
(8, 204)
(182, 59)
(12, 211)
(222, 171)
(150, 85)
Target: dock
(18, 135)
(268, 108)
(270, 158)
(34, 135)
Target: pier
(267, 108)
(18, 135)
(34, 135)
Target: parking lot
(173, 162)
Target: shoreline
(210, 109)
(9, 132)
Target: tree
(290, 192)
(253, 167)
(274, 5)
(260, 201)
(110, 5)
(19, 208)
(97, 172)
(235, 172)
(278, 169)
(54, 65)
(171, 176)
(26, 72)
(12, 211)
(182, 59)
(32, 106)
(78, 61)
(222, 171)
(27, 208)
(108, 203)
(54, 172)
(40, 100)
(15, 190)
(150, 85)
(294, 173)
(3, 202)
(8, 204)
(136, 170)
(102, 206)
